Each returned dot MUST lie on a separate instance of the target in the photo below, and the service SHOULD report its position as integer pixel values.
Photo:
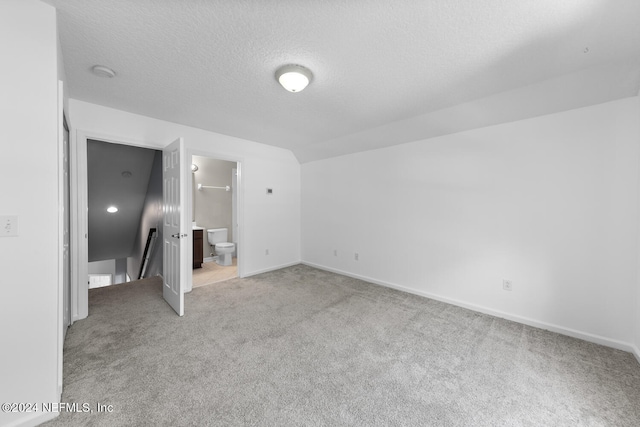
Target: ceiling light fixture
(102, 71)
(126, 174)
(293, 78)
(112, 209)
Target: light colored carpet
(210, 272)
(304, 347)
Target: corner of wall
(29, 102)
(494, 242)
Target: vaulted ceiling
(385, 72)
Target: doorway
(79, 246)
(214, 207)
(124, 193)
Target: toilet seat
(224, 245)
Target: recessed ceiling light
(112, 209)
(293, 78)
(102, 71)
(126, 174)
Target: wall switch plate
(335, 252)
(357, 257)
(507, 285)
(266, 251)
(8, 225)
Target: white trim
(79, 220)
(240, 167)
(79, 248)
(208, 259)
(515, 318)
(278, 267)
(100, 285)
(61, 214)
(114, 139)
(79, 200)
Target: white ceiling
(385, 72)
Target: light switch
(8, 225)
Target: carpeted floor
(304, 347)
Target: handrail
(151, 238)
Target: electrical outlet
(357, 257)
(335, 252)
(266, 251)
(507, 285)
(8, 225)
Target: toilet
(224, 250)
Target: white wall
(550, 203)
(121, 271)
(270, 222)
(213, 207)
(107, 266)
(151, 218)
(28, 111)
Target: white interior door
(175, 224)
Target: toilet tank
(217, 235)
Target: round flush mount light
(102, 71)
(293, 78)
(112, 209)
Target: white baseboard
(268, 269)
(77, 317)
(208, 259)
(513, 317)
(33, 419)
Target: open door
(175, 224)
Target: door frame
(64, 213)
(240, 205)
(79, 217)
(79, 205)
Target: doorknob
(178, 235)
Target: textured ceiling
(385, 72)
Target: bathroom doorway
(214, 207)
